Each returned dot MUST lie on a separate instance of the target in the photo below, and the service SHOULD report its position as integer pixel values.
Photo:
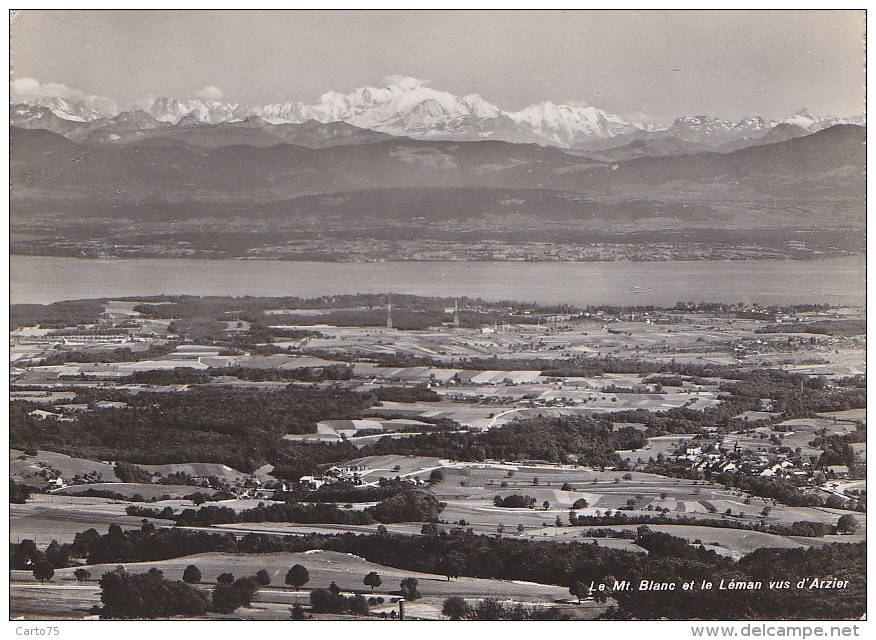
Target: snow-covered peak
(813, 122)
(75, 110)
(405, 106)
(565, 123)
(479, 107)
(172, 110)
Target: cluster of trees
(515, 501)
(127, 472)
(795, 395)
(665, 381)
(418, 393)
(405, 505)
(582, 439)
(127, 596)
(120, 354)
(18, 493)
(57, 315)
(823, 327)
(320, 513)
(330, 601)
(26, 555)
(131, 596)
(805, 528)
(302, 374)
(229, 594)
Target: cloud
(405, 82)
(33, 91)
(210, 93)
(643, 118)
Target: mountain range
(407, 172)
(409, 108)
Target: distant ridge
(409, 108)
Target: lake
(838, 281)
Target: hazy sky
(662, 64)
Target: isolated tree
(409, 589)
(225, 578)
(847, 524)
(558, 522)
(566, 487)
(546, 505)
(373, 580)
(766, 511)
(297, 576)
(297, 613)
(192, 574)
(450, 565)
(579, 590)
(520, 528)
(334, 588)
(535, 481)
(436, 476)
(455, 608)
(82, 574)
(263, 577)
(500, 529)
(631, 503)
(663, 495)
(628, 476)
(43, 570)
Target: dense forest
(244, 433)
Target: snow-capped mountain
(74, 110)
(210, 111)
(566, 124)
(407, 107)
(812, 122)
(704, 128)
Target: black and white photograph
(418, 315)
